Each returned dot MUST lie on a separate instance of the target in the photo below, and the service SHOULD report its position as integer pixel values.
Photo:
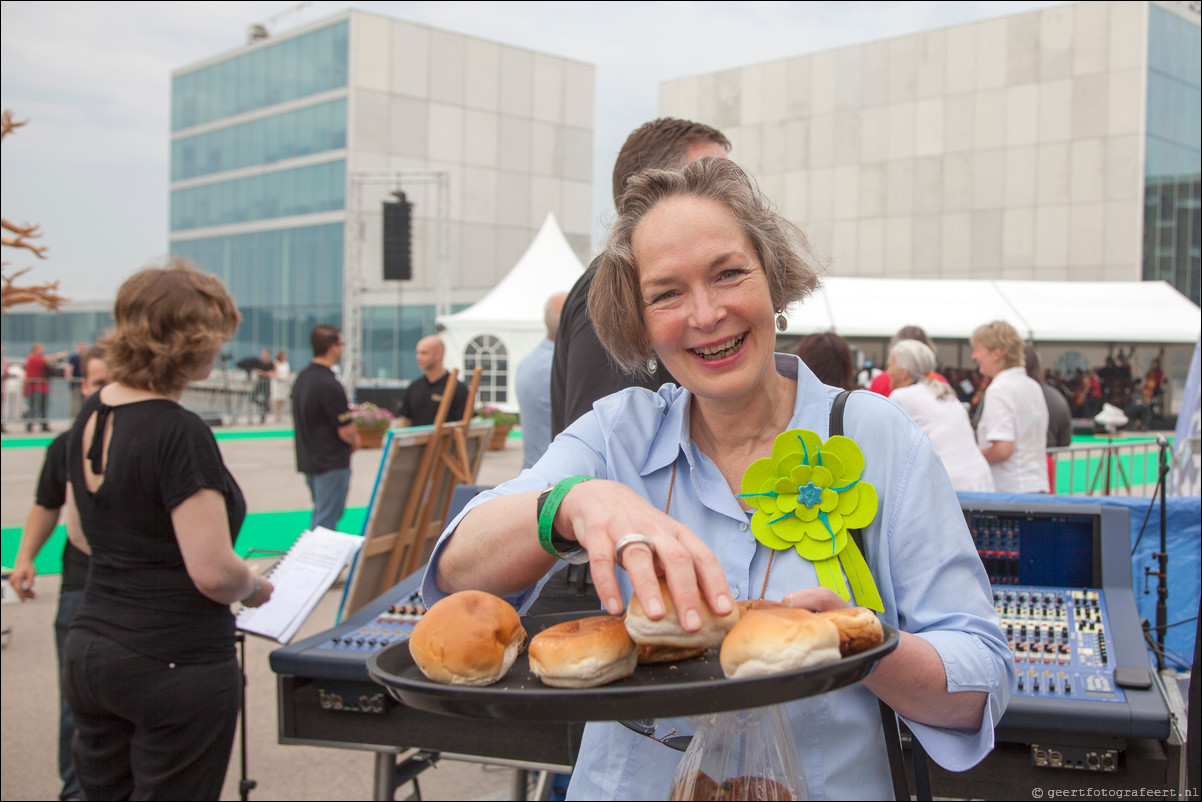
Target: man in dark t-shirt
(40, 524)
(325, 429)
(419, 407)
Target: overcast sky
(94, 81)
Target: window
(489, 353)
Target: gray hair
(918, 360)
(615, 304)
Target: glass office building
(1173, 168)
(283, 151)
(258, 182)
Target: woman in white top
(1012, 429)
(281, 383)
(934, 407)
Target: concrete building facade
(1058, 144)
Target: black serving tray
(686, 688)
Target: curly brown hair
(168, 323)
(615, 302)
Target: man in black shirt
(423, 395)
(581, 370)
(39, 526)
(325, 429)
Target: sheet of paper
(299, 580)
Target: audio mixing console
(1061, 579)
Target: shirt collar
(811, 410)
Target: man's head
(327, 343)
(429, 353)
(265, 354)
(663, 144)
(80, 347)
(95, 372)
(38, 349)
(551, 312)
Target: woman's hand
(261, 594)
(599, 513)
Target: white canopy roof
(1042, 311)
(548, 266)
(512, 311)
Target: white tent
(1100, 312)
(500, 329)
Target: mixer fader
(391, 624)
(1060, 642)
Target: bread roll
(859, 629)
(468, 638)
(667, 631)
(651, 655)
(696, 786)
(757, 604)
(583, 654)
(774, 640)
(754, 789)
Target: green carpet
(269, 531)
(43, 440)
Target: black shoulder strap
(836, 428)
(889, 719)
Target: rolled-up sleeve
(940, 592)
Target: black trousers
(145, 729)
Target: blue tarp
(1183, 525)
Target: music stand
(246, 785)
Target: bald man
(533, 386)
(424, 394)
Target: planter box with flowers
(372, 423)
(502, 424)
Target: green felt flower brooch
(807, 496)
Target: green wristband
(546, 513)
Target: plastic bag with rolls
(742, 754)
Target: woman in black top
(150, 670)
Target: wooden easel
(420, 469)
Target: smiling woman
(694, 273)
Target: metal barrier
(229, 396)
(232, 397)
(1116, 467)
(34, 412)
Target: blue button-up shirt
(918, 548)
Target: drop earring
(781, 322)
(652, 365)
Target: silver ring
(630, 540)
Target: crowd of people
(662, 388)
